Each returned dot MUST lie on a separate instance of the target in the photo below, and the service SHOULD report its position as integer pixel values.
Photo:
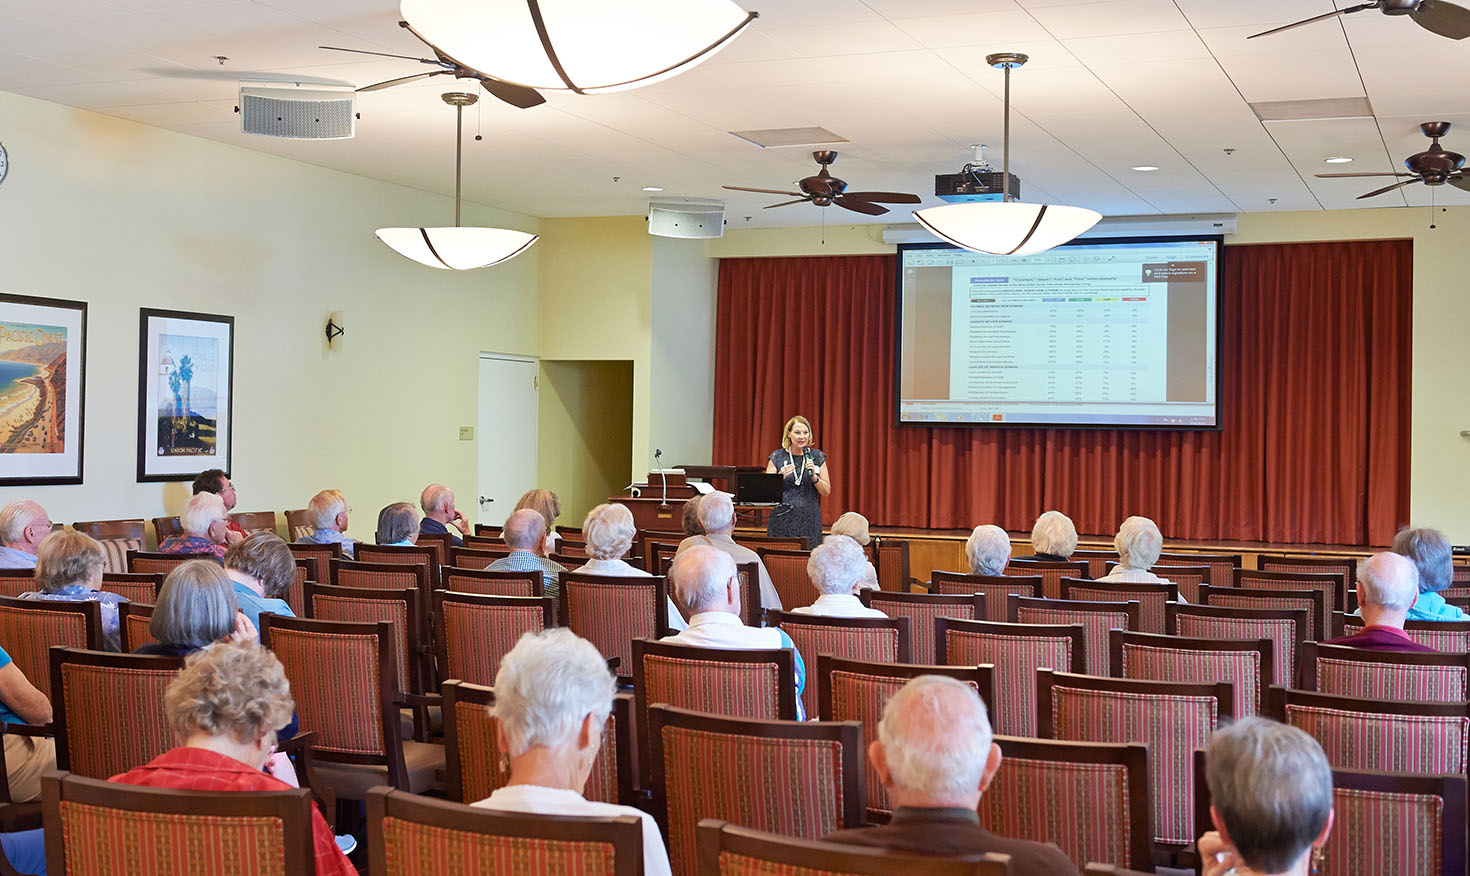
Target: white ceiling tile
(1109, 18)
(995, 29)
(849, 38)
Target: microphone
(663, 503)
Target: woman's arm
(17, 692)
(823, 485)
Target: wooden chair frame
(902, 627)
(1097, 561)
(757, 541)
(1307, 661)
(881, 547)
(1309, 581)
(165, 528)
(533, 578)
(465, 557)
(441, 639)
(61, 657)
(258, 521)
(296, 519)
(1169, 591)
(1077, 632)
(487, 530)
(783, 554)
(1297, 616)
(320, 556)
(133, 528)
(133, 584)
(126, 610)
(1026, 568)
(1315, 597)
(415, 555)
(658, 583)
(975, 601)
(982, 676)
(1339, 626)
(952, 582)
(1118, 640)
(157, 557)
(713, 837)
(416, 639)
(1347, 567)
(91, 613)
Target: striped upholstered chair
(1245, 663)
(1395, 737)
(879, 639)
(1310, 601)
(417, 836)
(1222, 567)
(146, 561)
(787, 569)
(1015, 650)
(90, 690)
(472, 749)
(1187, 578)
(165, 528)
(117, 537)
(857, 690)
(1447, 636)
(202, 833)
(1172, 718)
(136, 586)
(611, 612)
(1346, 568)
(477, 556)
(724, 850)
(392, 576)
(800, 779)
(1097, 617)
(921, 609)
(1384, 675)
(28, 629)
(1152, 599)
(14, 582)
(891, 562)
(402, 608)
(1090, 798)
(1330, 585)
(441, 542)
(473, 632)
(1051, 573)
(488, 583)
(320, 556)
(133, 624)
(255, 521)
(409, 555)
(1097, 561)
(299, 524)
(1286, 628)
(994, 588)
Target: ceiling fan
(515, 95)
(1434, 167)
(1435, 16)
(824, 189)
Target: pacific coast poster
(42, 345)
(185, 377)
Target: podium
(654, 514)
(721, 477)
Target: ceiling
(1111, 84)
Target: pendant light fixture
(1007, 226)
(458, 248)
(584, 46)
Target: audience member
(23, 525)
(1138, 543)
(225, 708)
(609, 531)
(215, 481)
(437, 501)
(717, 516)
(548, 505)
(553, 693)
(1053, 538)
(262, 571)
(328, 513)
(837, 570)
(989, 550)
(936, 756)
(709, 587)
(1388, 585)
(690, 521)
(1271, 800)
(195, 609)
(1431, 554)
(855, 526)
(525, 533)
(26, 757)
(69, 569)
(205, 523)
(398, 525)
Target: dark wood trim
(421, 555)
(901, 625)
(1298, 616)
(974, 601)
(982, 676)
(1309, 581)
(91, 613)
(882, 545)
(418, 570)
(62, 656)
(1076, 632)
(1339, 625)
(108, 530)
(751, 611)
(939, 578)
(1280, 698)
(1014, 604)
(1315, 597)
(533, 578)
(441, 637)
(1311, 651)
(1174, 559)
(1169, 591)
(760, 541)
(126, 610)
(160, 557)
(455, 692)
(319, 555)
(714, 837)
(1118, 640)
(1046, 679)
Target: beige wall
(682, 359)
(586, 433)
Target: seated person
(1388, 585)
(989, 550)
(1270, 799)
(609, 530)
(23, 524)
(855, 526)
(262, 571)
(936, 756)
(225, 708)
(26, 757)
(837, 568)
(548, 505)
(525, 532)
(328, 512)
(1053, 538)
(215, 481)
(1431, 554)
(437, 501)
(690, 521)
(709, 586)
(1139, 544)
(398, 525)
(553, 693)
(69, 569)
(205, 525)
(717, 517)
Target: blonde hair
(786, 431)
(67, 557)
(854, 526)
(543, 502)
(239, 689)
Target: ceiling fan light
(458, 248)
(1006, 228)
(598, 46)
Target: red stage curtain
(1314, 403)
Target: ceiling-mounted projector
(976, 181)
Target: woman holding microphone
(804, 469)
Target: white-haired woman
(1139, 543)
(609, 530)
(837, 569)
(988, 549)
(1053, 538)
(553, 694)
(855, 526)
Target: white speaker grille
(312, 119)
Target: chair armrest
(413, 700)
(30, 729)
(613, 663)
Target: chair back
(1151, 598)
(135, 586)
(1245, 663)
(166, 528)
(1222, 567)
(891, 562)
(1391, 737)
(1187, 578)
(921, 609)
(1097, 561)
(756, 541)
(389, 576)
(205, 833)
(995, 589)
(134, 621)
(1286, 628)
(410, 835)
(299, 524)
(487, 530)
(1330, 585)
(488, 583)
(320, 556)
(857, 690)
(1051, 573)
(117, 537)
(255, 521)
(441, 542)
(473, 633)
(153, 562)
(30, 627)
(656, 553)
(1346, 568)
(1446, 636)
(413, 555)
(476, 557)
(1090, 798)
(14, 582)
(1015, 650)
(878, 639)
(611, 612)
(743, 771)
(1310, 601)
(295, 595)
(1384, 675)
(486, 542)
(91, 690)
(723, 848)
(787, 569)
(401, 608)
(1097, 617)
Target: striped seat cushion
(137, 630)
(1436, 744)
(489, 586)
(1150, 605)
(1241, 668)
(133, 591)
(1082, 807)
(1051, 579)
(101, 840)
(342, 705)
(1282, 634)
(922, 615)
(480, 771)
(28, 636)
(117, 551)
(874, 645)
(612, 613)
(1188, 584)
(788, 576)
(477, 637)
(1097, 624)
(1223, 596)
(995, 596)
(14, 583)
(1380, 833)
(1328, 591)
(1016, 660)
(380, 580)
(1381, 681)
(98, 744)
(334, 608)
(411, 848)
(1448, 641)
(741, 690)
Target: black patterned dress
(799, 512)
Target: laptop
(758, 488)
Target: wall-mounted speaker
(693, 219)
(298, 112)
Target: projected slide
(1091, 334)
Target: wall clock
(4, 162)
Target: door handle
(485, 501)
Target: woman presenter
(804, 469)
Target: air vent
(1313, 110)
(771, 138)
(284, 109)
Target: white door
(506, 434)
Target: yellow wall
(586, 433)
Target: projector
(973, 184)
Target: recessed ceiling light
(653, 188)
(1338, 159)
(1144, 168)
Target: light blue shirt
(331, 536)
(254, 605)
(1431, 606)
(10, 558)
(111, 637)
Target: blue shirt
(525, 561)
(111, 639)
(6, 714)
(434, 527)
(10, 558)
(252, 604)
(1431, 606)
(331, 536)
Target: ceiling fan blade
(1461, 182)
(1377, 192)
(516, 95)
(1322, 17)
(762, 191)
(379, 86)
(1347, 175)
(884, 197)
(1445, 19)
(858, 205)
(380, 54)
(786, 203)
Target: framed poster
(186, 370)
(43, 373)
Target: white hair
(524, 529)
(1388, 580)
(988, 549)
(837, 566)
(434, 498)
(609, 531)
(701, 576)
(548, 683)
(854, 526)
(1054, 534)
(15, 517)
(1138, 542)
(202, 510)
(716, 512)
(936, 737)
(324, 508)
